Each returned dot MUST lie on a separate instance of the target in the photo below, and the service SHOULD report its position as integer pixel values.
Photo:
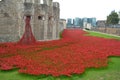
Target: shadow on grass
(9, 71)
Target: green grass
(98, 34)
(60, 34)
(111, 72)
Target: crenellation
(48, 2)
(56, 4)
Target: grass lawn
(111, 72)
(99, 34)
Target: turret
(119, 16)
(29, 1)
(56, 4)
(37, 1)
(28, 7)
(48, 2)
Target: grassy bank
(98, 34)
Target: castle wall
(40, 22)
(62, 24)
(56, 13)
(44, 19)
(48, 25)
(9, 28)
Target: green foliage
(60, 34)
(113, 18)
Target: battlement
(48, 2)
(29, 1)
(28, 8)
(56, 4)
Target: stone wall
(9, 29)
(62, 24)
(44, 19)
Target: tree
(113, 18)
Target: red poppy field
(72, 54)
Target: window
(41, 18)
(6, 14)
(51, 18)
(28, 16)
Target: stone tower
(119, 17)
(44, 19)
(48, 2)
